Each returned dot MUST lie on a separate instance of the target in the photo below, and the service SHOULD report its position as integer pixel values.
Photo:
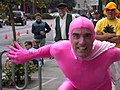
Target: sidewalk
(52, 77)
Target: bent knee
(66, 85)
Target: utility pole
(24, 4)
(100, 7)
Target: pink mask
(81, 22)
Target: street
(23, 36)
(22, 30)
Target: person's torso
(39, 27)
(62, 27)
(109, 26)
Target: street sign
(93, 2)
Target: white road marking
(52, 79)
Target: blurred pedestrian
(95, 17)
(39, 29)
(62, 22)
(29, 46)
(35, 44)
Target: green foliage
(46, 16)
(7, 22)
(31, 17)
(70, 4)
(1, 16)
(51, 4)
(19, 71)
(16, 2)
(18, 40)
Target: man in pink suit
(83, 60)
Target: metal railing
(40, 74)
(1, 53)
(26, 77)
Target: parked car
(1, 23)
(19, 17)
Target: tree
(70, 4)
(9, 4)
(51, 4)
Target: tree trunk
(12, 23)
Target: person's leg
(42, 61)
(42, 42)
(66, 85)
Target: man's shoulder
(60, 47)
(31, 49)
(43, 21)
(37, 24)
(69, 15)
(103, 19)
(34, 23)
(62, 44)
(117, 19)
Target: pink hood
(81, 22)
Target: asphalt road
(7, 30)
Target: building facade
(87, 6)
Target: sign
(93, 2)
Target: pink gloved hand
(18, 55)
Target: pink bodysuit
(88, 73)
(82, 74)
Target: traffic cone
(27, 32)
(50, 25)
(6, 36)
(18, 33)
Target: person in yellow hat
(108, 29)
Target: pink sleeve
(116, 52)
(43, 52)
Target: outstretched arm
(19, 55)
